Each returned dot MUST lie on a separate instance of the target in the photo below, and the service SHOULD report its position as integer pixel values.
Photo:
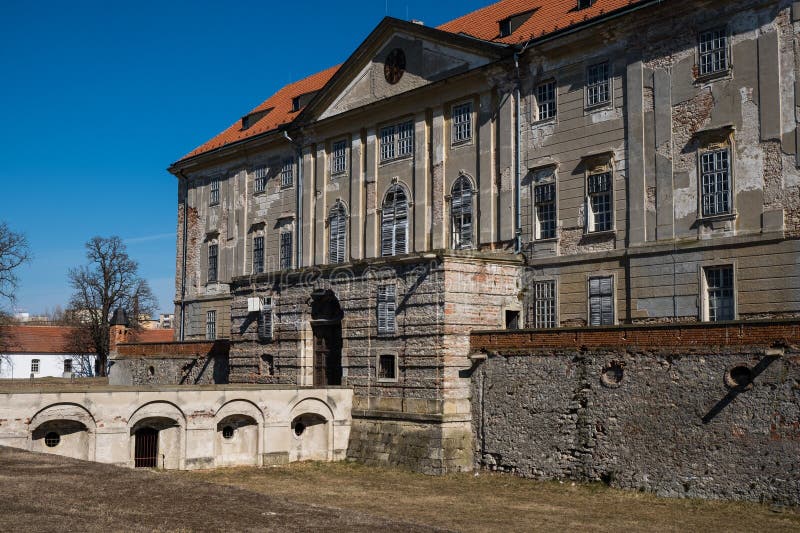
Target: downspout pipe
(517, 163)
(182, 334)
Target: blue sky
(98, 98)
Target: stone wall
(697, 411)
(187, 363)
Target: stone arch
(311, 431)
(169, 422)
(66, 429)
(238, 433)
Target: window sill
(395, 160)
(387, 334)
(459, 144)
(714, 76)
(602, 106)
(260, 193)
(338, 175)
(544, 122)
(717, 218)
(387, 380)
(604, 233)
(284, 187)
(545, 241)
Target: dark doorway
(146, 448)
(327, 354)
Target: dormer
(585, 4)
(251, 118)
(300, 101)
(511, 24)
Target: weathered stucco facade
(634, 164)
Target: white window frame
(386, 308)
(598, 88)
(542, 184)
(601, 298)
(339, 157)
(214, 192)
(337, 233)
(395, 220)
(708, 310)
(543, 101)
(266, 320)
(462, 214)
(713, 46)
(716, 173)
(67, 366)
(260, 175)
(211, 325)
(461, 123)
(36, 366)
(545, 303)
(396, 141)
(595, 196)
(287, 173)
(259, 261)
(396, 369)
(286, 252)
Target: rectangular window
(286, 250)
(716, 182)
(260, 182)
(265, 320)
(212, 262)
(719, 293)
(387, 307)
(546, 100)
(258, 255)
(387, 367)
(211, 325)
(462, 123)
(214, 192)
(600, 215)
(598, 84)
(287, 173)
(544, 196)
(339, 157)
(601, 301)
(397, 141)
(67, 366)
(713, 51)
(544, 304)
(34, 366)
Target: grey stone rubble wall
(671, 426)
(170, 371)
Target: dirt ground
(48, 493)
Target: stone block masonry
(709, 411)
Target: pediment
(427, 60)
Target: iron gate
(146, 448)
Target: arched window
(394, 222)
(337, 220)
(461, 213)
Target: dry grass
(496, 502)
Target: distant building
(42, 351)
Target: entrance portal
(146, 448)
(326, 323)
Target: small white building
(42, 351)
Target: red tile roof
(36, 339)
(549, 16)
(154, 335)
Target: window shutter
(387, 230)
(401, 228)
(391, 306)
(382, 309)
(466, 216)
(336, 245)
(265, 320)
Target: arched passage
(238, 434)
(64, 429)
(311, 431)
(157, 436)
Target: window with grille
(716, 182)
(462, 123)
(265, 320)
(598, 84)
(387, 367)
(387, 307)
(214, 192)
(67, 366)
(546, 101)
(544, 304)
(260, 181)
(286, 250)
(212, 262)
(394, 222)
(600, 215)
(337, 242)
(544, 197)
(397, 141)
(713, 51)
(34, 366)
(719, 293)
(339, 157)
(287, 173)
(461, 213)
(258, 254)
(601, 301)
(211, 325)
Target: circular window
(612, 374)
(52, 439)
(394, 66)
(299, 428)
(739, 377)
(151, 370)
(227, 432)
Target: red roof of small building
(548, 16)
(154, 335)
(37, 339)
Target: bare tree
(109, 280)
(14, 252)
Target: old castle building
(534, 164)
